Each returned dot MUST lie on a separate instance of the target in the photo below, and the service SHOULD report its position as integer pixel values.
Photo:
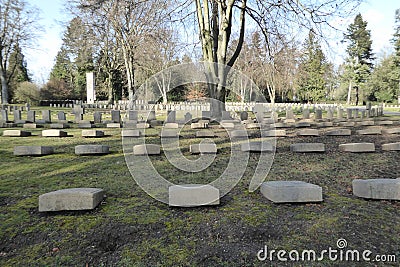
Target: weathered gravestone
(91, 150)
(244, 115)
(33, 150)
(97, 117)
(71, 199)
(46, 116)
(388, 189)
(193, 195)
(116, 116)
(291, 191)
(61, 116)
(31, 116)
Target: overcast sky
(378, 13)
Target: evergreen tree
(360, 57)
(17, 70)
(313, 68)
(74, 59)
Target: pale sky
(378, 13)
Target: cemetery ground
(129, 228)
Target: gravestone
(30, 117)
(171, 116)
(291, 192)
(329, 114)
(59, 126)
(308, 132)
(132, 115)
(46, 116)
(289, 114)
(274, 133)
(113, 125)
(92, 133)
(61, 116)
(206, 114)
(171, 125)
(169, 133)
(193, 195)
(146, 149)
(205, 134)
(238, 134)
(307, 147)
(17, 116)
(16, 133)
(227, 125)
(27, 107)
(226, 115)
(54, 133)
(244, 115)
(318, 114)
(391, 131)
(188, 117)
(340, 114)
(391, 147)
(203, 148)
(131, 133)
(306, 114)
(257, 146)
(91, 150)
(97, 117)
(339, 132)
(357, 147)
(370, 131)
(349, 113)
(33, 150)
(116, 116)
(71, 199)
(388, 189)
(259, 110)
(4, 115)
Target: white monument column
(91, 93)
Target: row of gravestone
(194, 195)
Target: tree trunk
(4, 87)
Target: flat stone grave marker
(142, 125)
(31, 126)
(347, 124)
(339, 132)
(71, 199)
(203, 148)
(274, 133)
(239, 134)
(59, 126)
(171, 125)
(257, 146)
(33, 150)
(325, 124)
(307, 147)
(391, 147)
(308, 132)
(252, 126)
(54, 133)
(302, 124)
(114, 125)
(16, 133)
(146, 149)
(383, 122)
(85, 125)
(366, 123)
(370, 130)
(205, 134)
(291, 192)
(131, 133)
(391, 131)
(357, 147)
(193, 195)
(169, 133)
(92, 133)
(91, 150)
(227, 125)
(388, 189)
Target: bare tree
(18, 25)
(216, 19)
(132, 22)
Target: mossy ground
(129, 228)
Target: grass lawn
(129, 228)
